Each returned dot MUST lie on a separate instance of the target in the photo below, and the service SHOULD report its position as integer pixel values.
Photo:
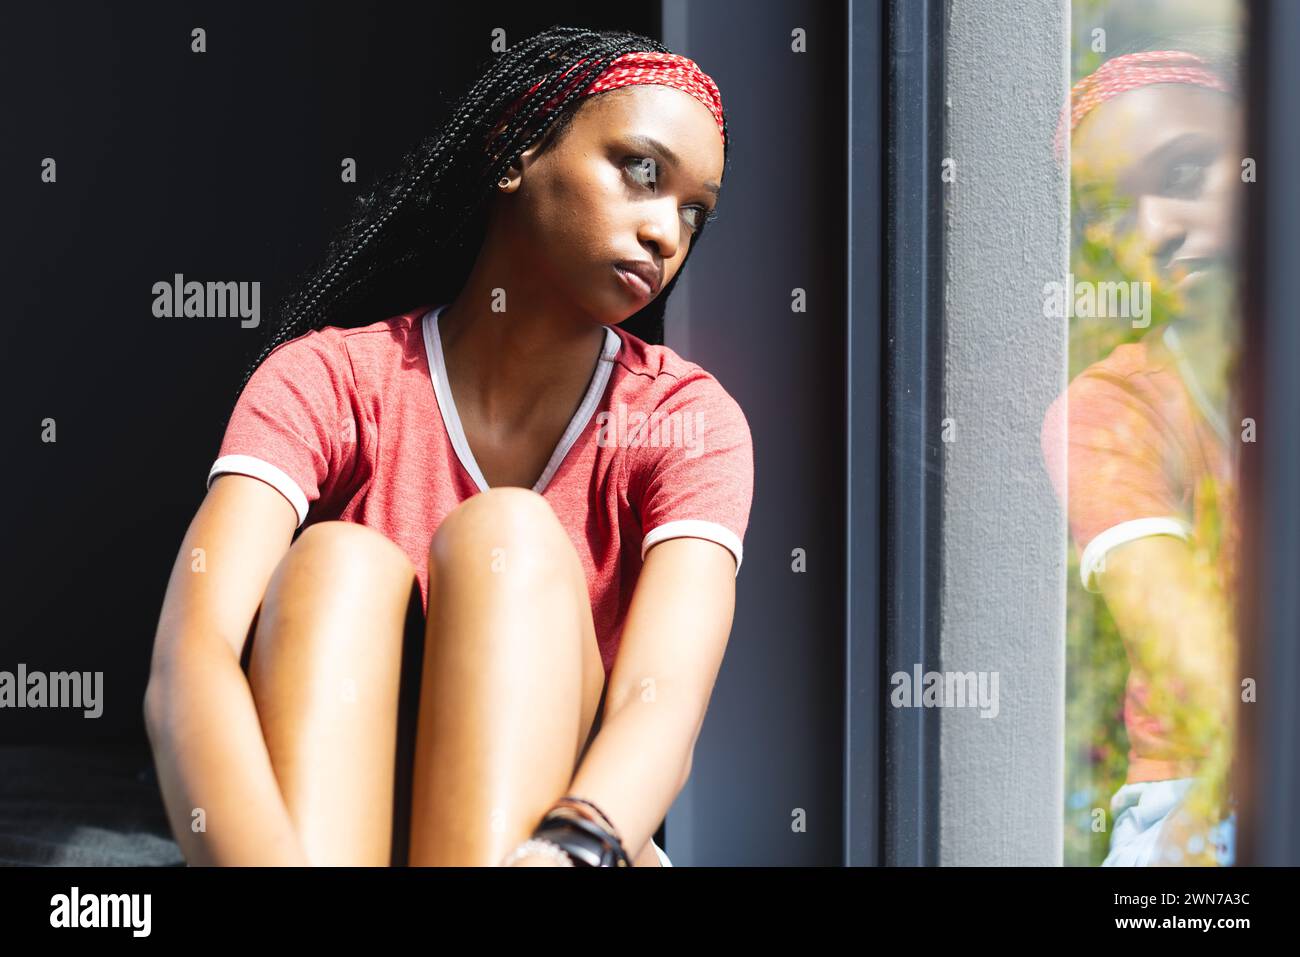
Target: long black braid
(414, 237)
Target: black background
(222, 166)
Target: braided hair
(413, 238)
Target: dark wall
(222, 166)
(767, 780)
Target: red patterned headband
(1122, 73)
(632, 69)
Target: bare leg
(324, 673)
(511, 678)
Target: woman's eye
(645, 171)
(1113, 211)
(1106, 213)
(644, 168)
(1184, 179)
(699, 215)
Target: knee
(335, 572)
(503, 527)
(338, 553)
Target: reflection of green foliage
(1086, 15)
(1096, 742)
(1096, 661)
(1100, 255)
(1207, 801)
(1132, 25)
(1096, 666)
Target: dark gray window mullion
(913, 351)
(863, 434)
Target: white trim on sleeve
(1094, 556)
(276, 477)
(694, 528)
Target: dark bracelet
(586, 842)
(577, 803)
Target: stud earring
(503, 182)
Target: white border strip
(694, 528)
(1094, 556)
(276, 477)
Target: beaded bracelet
(540, 847)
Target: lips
(640, 275)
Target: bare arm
(203, 729)
(673, 642)
(1174, 621)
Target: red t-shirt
(360, 425)
(1135, 452)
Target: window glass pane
(1144, 444)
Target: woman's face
(1162, 163)
(631, 180)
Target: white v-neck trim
(451, 418)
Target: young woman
(1141, 445)
(454, 434)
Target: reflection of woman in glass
(1155, 169)
(589, 493)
